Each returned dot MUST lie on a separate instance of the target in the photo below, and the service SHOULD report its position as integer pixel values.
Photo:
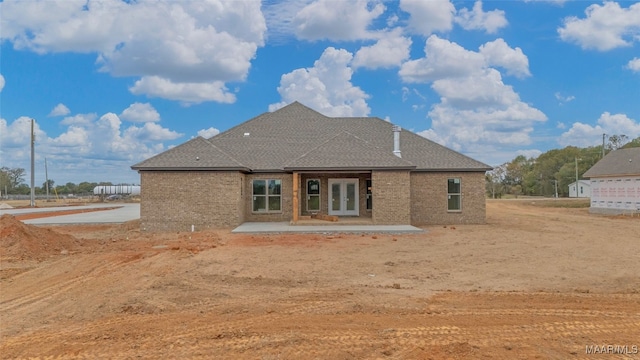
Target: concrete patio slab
(285, 227)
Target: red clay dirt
(24, 242)
(38, 215)
(535, 282)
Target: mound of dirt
(19, 241)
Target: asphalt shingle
(197, 154)
(620, 162)
(297, 137)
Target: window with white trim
(369, 195)
(454, 195)
(267, 195)
(313, 195)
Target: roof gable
(619, 162)
(197, 153)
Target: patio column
(296, 202)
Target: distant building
(615, 183)
(583, 190)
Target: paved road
(125, 212)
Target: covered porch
(332, 197)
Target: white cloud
(181, 43)
(60, 110)
(427, 17)
(18, 133)
(443, 59)
(509, 124)
(433, 136)
(634, 64)
(74, 137)
(446, 59)
(208, 133)
(188, 93)
(477, 109)
(484, 88)
(392, 20)
(151, 132)
(499, 53)
(581, 134)
(90, 146)
(336, 20)
(79, 119)
(529, 153)
(556, 2)
(390, 50)
(563, 99)
(279, 17)
(139, 112)
(477, 19)
(607, 26)
(1, 82)
(325, 87)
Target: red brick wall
(429, 198)
(391, 197)
(175, 200)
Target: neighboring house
(296, 162)
(615, 182)
(583, 190)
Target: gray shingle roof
(346, 151)
(196, 154)
(296, 137)
(620, 162)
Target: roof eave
(347, 168)
(189, 168)
(589, 176)
(455, 169)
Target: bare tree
(617, 142)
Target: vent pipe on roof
(396, 141)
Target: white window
(454, 195)
(267, 195)
(313, 195)
(369, 195)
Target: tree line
(541, 175)
(13, 180)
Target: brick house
(296, 162)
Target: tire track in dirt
(239, 334)
(321, 343)
(49, 292)
(537, 312)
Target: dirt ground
(536, 282)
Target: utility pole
(556, 185)
(46, 177)
(33, 153)
(603, 135)
(577, 175)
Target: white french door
(343, 197)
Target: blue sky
(113, 82)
